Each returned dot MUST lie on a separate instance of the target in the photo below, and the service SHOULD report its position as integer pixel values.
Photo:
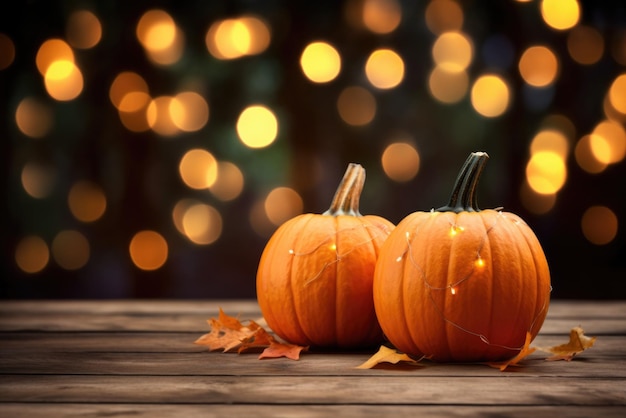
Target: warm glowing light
(189, 111)
(453, 290)
(159, 116)
(202, 224)
(320, 62)
(50, 51)
(257, 127)
(332, 247)
(455, 230)
(63, 80)
(400, 161)
(229, 183)
(198, 169)
(133, 111)
(7, 51)
(70, 249)
(480, 262)
(38, 179)
(608, 142)
(33, 118)
(156, 30)
(83, 29)
(550, 140)
(585, 157)
(546, 172)
(560, 14)
(356, 106)
(453, 51)
(490, 96)
(538, 66)
(448, 86)
(259, 221)
(444, 15)
(381, 16)
(617, 93)
(599, 225)
(384, 69)
(585, 45)
(148, 250)
(238, 37)
(32, 254)
(282, 204)
(86, 201)
(124, 83)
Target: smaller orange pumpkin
(459, 283)
(314, 280)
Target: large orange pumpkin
(459, 283)
(314, 280)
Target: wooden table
(138, 359)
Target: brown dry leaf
(578, 342)
(386, 355)
(524, 352)
(229, 334)
(277, 349)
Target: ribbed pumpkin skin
(461, 286)
(314, 282)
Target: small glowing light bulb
(332, 247)
(455, 229)
(291, 251)
(479, 262)
(399, 258)
(453, 290)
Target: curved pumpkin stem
(348, 194)
(463, 198)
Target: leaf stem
(348, 194)
(463, 197)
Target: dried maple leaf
(386, 355)
(524, 352)
(277, 349)
(578, 342)
(228, 333)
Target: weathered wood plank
(46, 410)
(397, 390)
(558, 308)
(55, 322)
(175, 354)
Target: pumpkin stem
(348, 194)
(463, 198)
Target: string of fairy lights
(454, 79)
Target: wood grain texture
(138, 358)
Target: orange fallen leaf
(386, 355)
(578, 342)
(229, 334)
(524, 352)
(277, 349)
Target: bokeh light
(229, 183)
(560, 14)
(33, 117)
(381, 16)
(7, 51)
(384, 69)
(38, 179)
(63, 80)
(32, 254)
(198, 168)
(148, 250)
(202, 223)
(585, 45)
(444, 15)
(448, 86)
(257, 126)
(282, 204)
(453, 51)
(356, 106)
(400, 161)
(599, 225)
(83, 29)
(546, 172)
(320, 62)
(51, 51)
(86, 201)
(238, 37)
(490, 95)
(538, 66)
(70, 249)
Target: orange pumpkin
(459, 283)
(314, 280)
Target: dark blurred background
(150, 148)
